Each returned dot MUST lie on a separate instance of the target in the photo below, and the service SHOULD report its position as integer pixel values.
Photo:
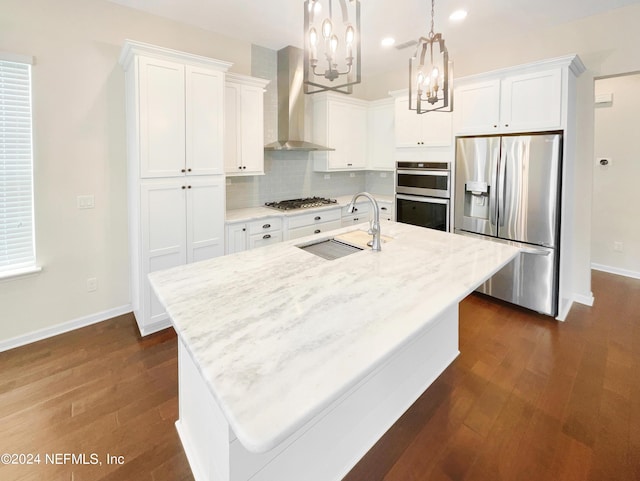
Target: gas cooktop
(300, 203)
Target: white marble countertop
(279, 333)
(248, 214)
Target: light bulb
(334, 44)
(420, 78)
(313, 37)
(435, 72)
(327, 27)
(350, 35)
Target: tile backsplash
(290, 175)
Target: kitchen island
(291, 366)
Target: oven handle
(440, 173)
(427, 200)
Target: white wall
(615, 210)
(607, 44)
(79, 137)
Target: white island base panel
(334, 440)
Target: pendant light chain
(432, 33)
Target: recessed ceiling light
(458, 15)
(387, 41)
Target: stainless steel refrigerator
(507, 189)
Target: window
(17, 250)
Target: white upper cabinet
(244, 125)
(204, 125)
(531, 101)
(521, 99)
(161, 90)
(431, 129)
(340, 123)
(477, 106)
(180, 118)
(381, 139)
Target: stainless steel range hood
(291, 104)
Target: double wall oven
(423, 193)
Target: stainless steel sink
(330, 249)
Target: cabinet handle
(244, 229)
(182, 170)
(317, 231)
(383, 208)
(188, 187)
(356, 219)
(184, 186)
(506, 125)
(495, 126)
(349, 165)
(317, 217)
(244, 166)
(240, 167)
(355, 209)
(188, 170)
(266, 226)
(266, 236)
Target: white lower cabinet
(387, 210)
(249, 235)
(181, 221)
(313, 223)
(359, 215)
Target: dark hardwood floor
(527, 399)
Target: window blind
(17, 251)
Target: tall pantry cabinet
(175, 122)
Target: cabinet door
(531, 101)
(339, 136)
(204, 121)
(252, 129)
(436, 129)
(381, 138)
(477, 107)
(232, 163)
(236, 238)
(205, 218)
(162, 224)
(161, 117)
(408, 128)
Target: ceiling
(278, 23)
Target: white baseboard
(587, 300)
(616, 270)
(62, 328)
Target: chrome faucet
(374, 227)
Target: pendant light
(430, 74)
(332, 45)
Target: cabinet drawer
(263, 239)
(361, 208)
(354, 219)
(315, 229)
(313, 218)
(387, 211)
(268, 224)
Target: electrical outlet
(327, 176)
(92, 284)
(86, 201)
(352, 174)
(618, 246)
(383, 175)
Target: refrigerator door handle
(493, 197)
(502, 176)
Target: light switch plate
(86, 201)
